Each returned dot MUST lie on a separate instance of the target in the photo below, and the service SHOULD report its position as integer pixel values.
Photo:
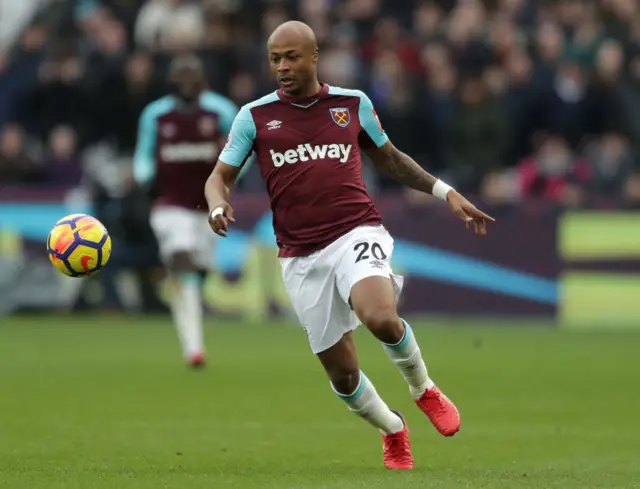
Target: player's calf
(365, 401)
(374, 302)
(439, 409)
(186, 307)
(406, 355)
(350, 384)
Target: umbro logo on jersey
(274, 124)
(306, 152)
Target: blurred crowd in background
(507, 99)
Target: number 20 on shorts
(366, 249)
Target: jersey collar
(305, 102)
(192, 107)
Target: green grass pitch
(106, 403)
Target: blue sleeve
(144, 164)
(370, 122)
(225, 109)
(227, 113)
(240, 140)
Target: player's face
(189, 83)
(293, 66)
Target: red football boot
(397, 450)
(197, 360)
(440, 410)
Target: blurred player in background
(334, 252)
(179, 139)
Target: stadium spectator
(554, 173)
(477, 136)
(519, 101)
(18, 69)
(16, 164)
(612, 165)
(55, 96)
(14, 17)
(170, 25)
(62, 167)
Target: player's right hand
(220, 217)
(469, 213)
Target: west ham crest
(207, 126)
(168, 130)
(340, 116)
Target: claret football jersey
(309, 153)
(178, 147)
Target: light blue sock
(408, 358)
(367, 403)
(189, 278)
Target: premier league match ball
(79, 245)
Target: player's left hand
(468, 213)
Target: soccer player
(334, 252)
(179, 140)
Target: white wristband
(441, 189)
(218, 211)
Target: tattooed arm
(400, 167)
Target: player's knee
(182, 261)
(345, 381)
(384, 323)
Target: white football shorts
(183, 230)
(319, 285)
